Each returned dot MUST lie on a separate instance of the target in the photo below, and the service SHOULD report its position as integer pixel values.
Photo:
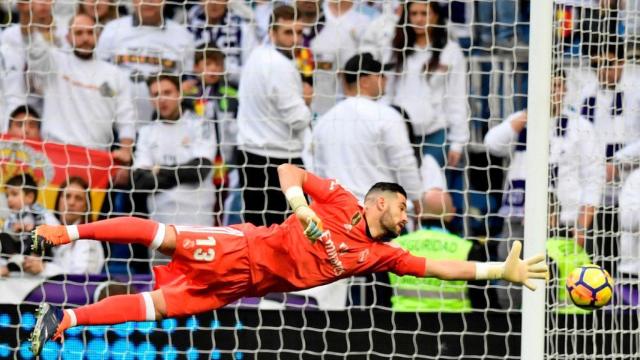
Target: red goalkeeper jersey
(283, 259)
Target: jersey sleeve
(325, 190)
(393, 258)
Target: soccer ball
(590, 287)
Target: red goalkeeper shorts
(209, 269)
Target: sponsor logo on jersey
(332, 252)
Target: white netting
(459, 90)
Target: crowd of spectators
(199, 102)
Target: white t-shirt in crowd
(615, 114)
(361, 142)
(272, 115)
(437, 102)
(338, 40)
(15, 87)
(575, 158)
(83, 99)
(171, 143)
(144, 51)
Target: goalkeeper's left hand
(522, 271)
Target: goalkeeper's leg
(53, 321)
(121, 230)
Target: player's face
(25, 126)
(394, 217)
(73, 205)
(609, 70)
(82, 36)
(215, 9)
(166, 99)
(287, 35)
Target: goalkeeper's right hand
(310, 221)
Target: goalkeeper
(331, 239)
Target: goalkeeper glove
(515, 270)
(310, 221)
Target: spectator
(145, 44)
(24, 123)
(214, 98)
(80, 109)
(272, 118)
(430, 81)
(101, 11)
(173, 159)
(22, 192)
(333, 37)
(577, 169)
(73, 207)
(214, 24)
(360, 141)
(211, 96)
(611, 105)
(17, 86)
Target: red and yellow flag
(51, 164)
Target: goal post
(537, 178)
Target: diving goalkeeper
(330, 239)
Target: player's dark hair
(209, 53)
(405, 37)
(77, 180)
(174, 79)
(282, 12)
(25, 182)
(386, 187)
(24, 109)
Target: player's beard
(389, 226)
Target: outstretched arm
(513, 269)
(292, 178)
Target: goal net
(157, 109)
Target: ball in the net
(590, 287)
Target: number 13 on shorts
(204, 249)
